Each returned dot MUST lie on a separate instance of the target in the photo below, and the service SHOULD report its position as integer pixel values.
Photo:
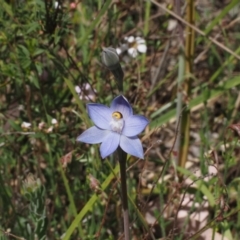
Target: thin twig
(11, 235)
(163, 59)
(197, 30)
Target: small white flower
(130, 39)
(50, 129)
(123, 47)
(41, 125)
(21, 107)
(141, 45)
(119, 51)
(26, 125)
(137, 45)
(86, 92)
(77, 89)
(172, 24)
(56, 4)
(133, 52)
(54, 121)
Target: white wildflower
(26, 125)
(41, 125)
(50, 129)
(56, 4)
(137, 45)
(77, 89)
(54, 121)
(85, 92)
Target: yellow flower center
(117, 115)
(117, 122)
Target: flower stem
(122, 162)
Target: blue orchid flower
(115, 126)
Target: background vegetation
(55, 188)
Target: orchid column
(116, 128)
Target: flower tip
(120, 98)
(139, 155)
(78, 139)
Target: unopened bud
(31, 184)
(94, 184)
(66, 159)
(110, 59)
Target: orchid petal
(134, 125)
(121, 105)
(110, 144)
(132, 146)
(100, 115)
(93, 135)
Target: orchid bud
(110, 59)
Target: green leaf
(6, 7)
(201, 185)
(32, 27)
(24, 50)
(206, 95)
(35, 82)
(88, 206)
(221, 15)
(38, 51)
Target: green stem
(122, 162)
(89, 205)
(71, 200)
